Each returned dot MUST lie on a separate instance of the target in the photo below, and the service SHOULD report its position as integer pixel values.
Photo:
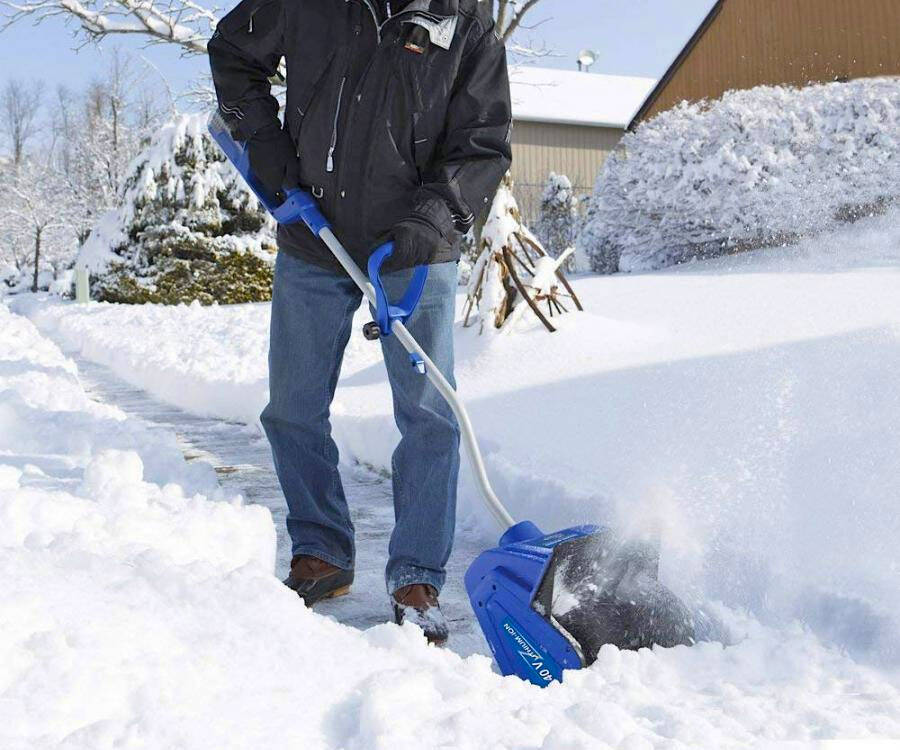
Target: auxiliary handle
(386, 314)
(298, 206)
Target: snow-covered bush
(490, 292)
(187, 228)
(755, 168)
(513, 273)
(558, 220)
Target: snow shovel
(546, 602)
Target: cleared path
(240, 455)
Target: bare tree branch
(18, 117)
(186, 23)
(183, 22)
(509, 15)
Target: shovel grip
(298, 205)
(387, 312)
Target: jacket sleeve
(474, 151)
(244, 53)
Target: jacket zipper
(329, 162)
(379, 26)
(329, 165)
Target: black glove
(273, 160)
(416, 243)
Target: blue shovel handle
(298, 204)
(386, 312)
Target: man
(397, 119)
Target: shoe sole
(342, 591)
(312, 591)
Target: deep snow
(747, 406)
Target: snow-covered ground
(748, 406)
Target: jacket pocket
(422, 145)
(413, 71)
(300, 105)
(398, 122)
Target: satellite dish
(586, 58)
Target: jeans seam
(335, 476)
(397, 479)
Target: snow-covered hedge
(187, 228)
(755, 168)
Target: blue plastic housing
(502, 584)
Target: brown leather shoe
(418, 604)
(314, 579)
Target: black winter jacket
(383, 133)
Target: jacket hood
(437, 8)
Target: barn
(746, 43)
(567, 122)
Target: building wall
(577, 151)
(754, 42)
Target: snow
(545, 269)
(744, 406)
(576, 98)
(758, 167)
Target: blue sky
(632, 37)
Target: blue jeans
(312, 314)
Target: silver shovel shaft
(437, 380)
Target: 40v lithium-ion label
(542, 667)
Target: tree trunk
(37, 258)
(114, 106)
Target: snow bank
(137, 613)
(754, 168)
(208, 360)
